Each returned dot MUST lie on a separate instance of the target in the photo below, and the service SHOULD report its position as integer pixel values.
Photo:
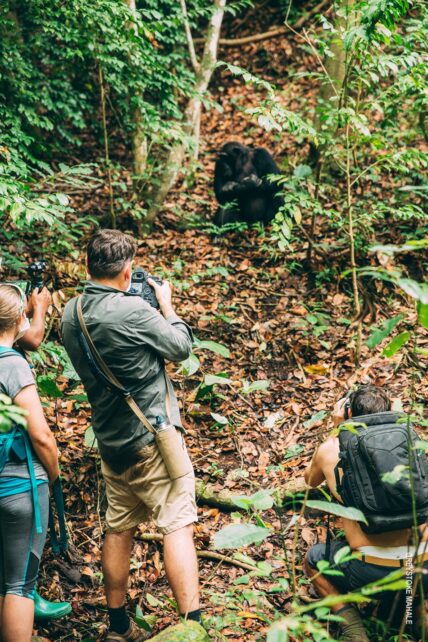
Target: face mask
(25, 325)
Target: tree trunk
(192, 112)
(334, 68)
(184, 632)
(139, 139)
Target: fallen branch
(210, 555)
(272, 33)
(206, 494)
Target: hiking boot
(352, 629)
(133, 634)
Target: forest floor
(238, 291)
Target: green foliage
(240, 535)
(379, 334)
(10, 414)
(349, 512)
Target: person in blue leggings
(28, 463)
(33, 333)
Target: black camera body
(140, 286)
(36, 272)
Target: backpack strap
(6, 443)
(6, 351)
(337, 477)
(58, 545)
(101, 370)
(8, 440)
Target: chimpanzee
(240, 181)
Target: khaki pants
(145, 491)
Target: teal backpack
(16, 445)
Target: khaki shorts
(145, 491)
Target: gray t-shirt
(15, 374)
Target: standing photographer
(133, 339)
(38, 305)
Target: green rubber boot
(45, 611)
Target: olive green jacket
(133, 339)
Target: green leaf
(244, 579)
(240, 535)
(190, 365)
(341, 554)
(153, 601)
(379, 334)
(393, 476)
(302, 171)
(349, 512)
(396, 344)
(421, 444)
(48, 388)
(318, 416)
(414, 289)
(218, 348)
(253, 386)
(223, 421)
(212, 380)
(89, 439)
(62, 199)
(262, 500)
(423, 314)
(143, 621)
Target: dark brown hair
(108, 251)
(368, 400)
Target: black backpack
(369, 451)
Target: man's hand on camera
(338, 414)
(164, 296)
(39, 300)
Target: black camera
(140, 286)
(36, 272)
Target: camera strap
(107, 375)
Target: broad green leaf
(262, 500)
(218, 348)
(423, 314)
(393, 476)
(253, 386)
(220, 419)
(279, 632)
(62, 199)
(341, 554)
(190, 365)
(153, 601)
(89, 439)
(379, 334)
(244, 579)
(48, 388)
(240, 535)
(211, 380)
(414, 289)
(349, 512)
(318, 416)
(302, 171)
(143, 621)
(396, 344)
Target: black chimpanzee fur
(241, 180)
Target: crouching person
(28, 460)
(118, 340)
(354, 465)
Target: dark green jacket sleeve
(171, 337)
